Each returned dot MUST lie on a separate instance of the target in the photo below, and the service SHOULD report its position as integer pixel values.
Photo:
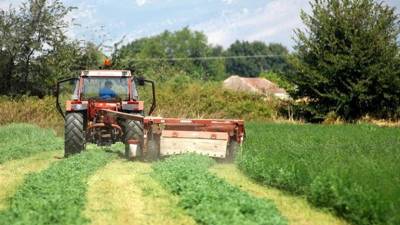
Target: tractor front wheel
(74, 141)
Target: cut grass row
(209, 199)
(56, 195)
(13, 173)
(18, 141)
(353, 170)
(296, 209)
(123, 192)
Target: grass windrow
(209, 199)
(56, 195)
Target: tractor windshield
(107, 88)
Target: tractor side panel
(213, 144)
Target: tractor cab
(107, 85)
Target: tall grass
(21, 140)
(31, 110)
(209, 100)
(174, 99)
(353, 170)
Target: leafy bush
(21, 140)
(56, 195)
(351, 169)
(210, 200)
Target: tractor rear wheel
(233, 148)
(153, 147)
(74, 141)
(133, 130)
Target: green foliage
(31, 110)
(252, 67)
(209, 199)
(26, 35)
(278, 79)
(347, 59)
(352, 170)
(22, 140)
(56, 195)
(68, 58)
(184, 97)
(179, 97)
(35, 50)
(168, 45)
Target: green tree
(68, 58)
(27, 35)
(270, 57)
(347, 59)
(164, 55)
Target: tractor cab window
(105, 88)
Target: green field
(351, 170)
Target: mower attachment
(215, 138)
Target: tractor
(104, 108)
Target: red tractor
(105, 109)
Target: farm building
(255, 85)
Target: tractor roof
(106, 73)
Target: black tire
(74, 141)
(232, 150)
(153, 147)
(133, 130)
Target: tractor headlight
(78, 107)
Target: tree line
(188, 53)
(345, 61)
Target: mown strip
(353, 170)
(56, 195)
(124, 193)
(209, 199)
(12, 173)
(296, 209)
(18, 141)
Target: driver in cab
(107, 92)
